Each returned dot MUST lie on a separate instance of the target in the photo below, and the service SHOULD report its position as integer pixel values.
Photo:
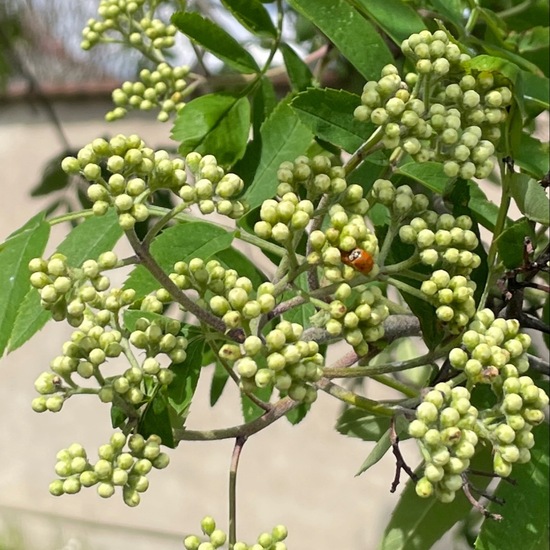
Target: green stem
(357, 158)
(161, 223)
(404, 287)
(388, 240)
(355, 400)
(515, 10)
(71, 216)
(393, 366)
(400, 266)
(391, 382)
(499, 228)
(237, 449)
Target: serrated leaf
(216, 40)
(217, 124)
(252, 15)
(526, 509)
(536, 38)
(87, 240)
(329, 115)
(417, 523)
(510, 243)
(395, 17)
(298, 72)
(284, 137)
(486, 211)
(250, 410)
(179, 242)
(429, 174)
(532, 156)
(53, 177)
(383, 445)
(355, 38)
(298, 413)
(16, 252)
(452, 10)
(537, 89)
(155, 420)
(180, 392)
(132, 316)
(358, 423)
(219, 381)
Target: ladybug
(359, 259)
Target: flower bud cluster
(493, 350)
(213, 190)
(228, 296)
(453, 298)
(523, 405)
(401, 201)
(217, 538)
(92, 345)
(346, 232)
(445, 429)
(315, 176)
(132, 20)
(444, 239)
(67, 292)
(439, 113)
(159, 89)
(359, 318)
(282, 359)
(116, 467)
(282, 219)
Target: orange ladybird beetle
(359, 259)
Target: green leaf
(251, 411)
(16, 252)
(216, 40)
(536, 38)
(87, 240)
(486, 211)
(537, 89)
(532, 156)
(91, 238)
(429, 174)
(452, 10)
(53, 177)
(284, 137)
(304, 312)
(526, 510)
(417, 523)
(156, 420)
(329, 115)
(179, 242)
(252, 15)
(219, 381)
(180, 392)
(358, 423)
(217, 124)
(297, 414)
(131, 317)
(375, 166)
(395, 17)
(531, 199)
(383, 445)
(298, 72)
(355, 38)
(510, 243)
